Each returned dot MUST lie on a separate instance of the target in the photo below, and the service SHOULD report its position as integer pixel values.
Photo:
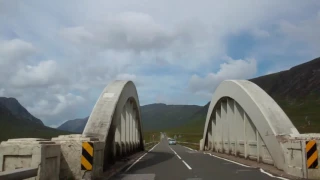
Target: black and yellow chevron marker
(87, 156)
(312, 154)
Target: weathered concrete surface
(71, 151)
(31, 152)
(110, 106)
(257, 110)
(22, 173)
(114, 120)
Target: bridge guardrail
(22, 173)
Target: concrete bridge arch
(244, 120)
(116, 120)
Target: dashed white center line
(140, 158)
(186, 165)
(181, 159)
(178, 156)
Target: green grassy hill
(12, 126)
(297, 91)
(155, 117)
(76, 125)
(162, 116)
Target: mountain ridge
(18, 110)
(289, 88)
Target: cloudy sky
(57, 56)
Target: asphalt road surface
(176, 162)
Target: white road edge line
(228, 160)
(140, 158)
(189, 148)
(186, 165)
(261, 170)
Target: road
(176, 162)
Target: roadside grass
(186, 137)
(148, 136)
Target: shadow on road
(151, 159)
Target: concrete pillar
(208, 140)
(224, 122)
(136, 132)
(230, 119)
(134, 129)
(251, 136)
(218, 139)
(127, 128)
(245, 122)
(238, 123)
(131, 127)
(213, 130)
(72, 157)
(117, 137)
(123, 132)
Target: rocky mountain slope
(18, 110)
(296, 90)
(17, 122)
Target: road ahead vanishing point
(176, 162)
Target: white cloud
(305, 31)
(44, 74)
(57, 106)
(259, 33)
(57, 59)
(14, 51)
(232, 69)
(2, 92)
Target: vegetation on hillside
(297, 91)
(13, 126)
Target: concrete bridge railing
(22, 173)
(244, 121)
(113, 131)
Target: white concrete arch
(242, 116)
(116, 119)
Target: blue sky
(57, 57)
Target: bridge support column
(127, 107)
(74, 163)
(136, 133)
(134, 145)
(34, 152)
(123, 132)
(219, 130)
(117, 138)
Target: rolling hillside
(18, 110)
(24, 125)
(155, 117)
(296, 90)
(76, 125)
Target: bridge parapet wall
(71, 156)
(31, 152)
(296, 155)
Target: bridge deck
(178, 162)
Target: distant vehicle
(172, 142)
